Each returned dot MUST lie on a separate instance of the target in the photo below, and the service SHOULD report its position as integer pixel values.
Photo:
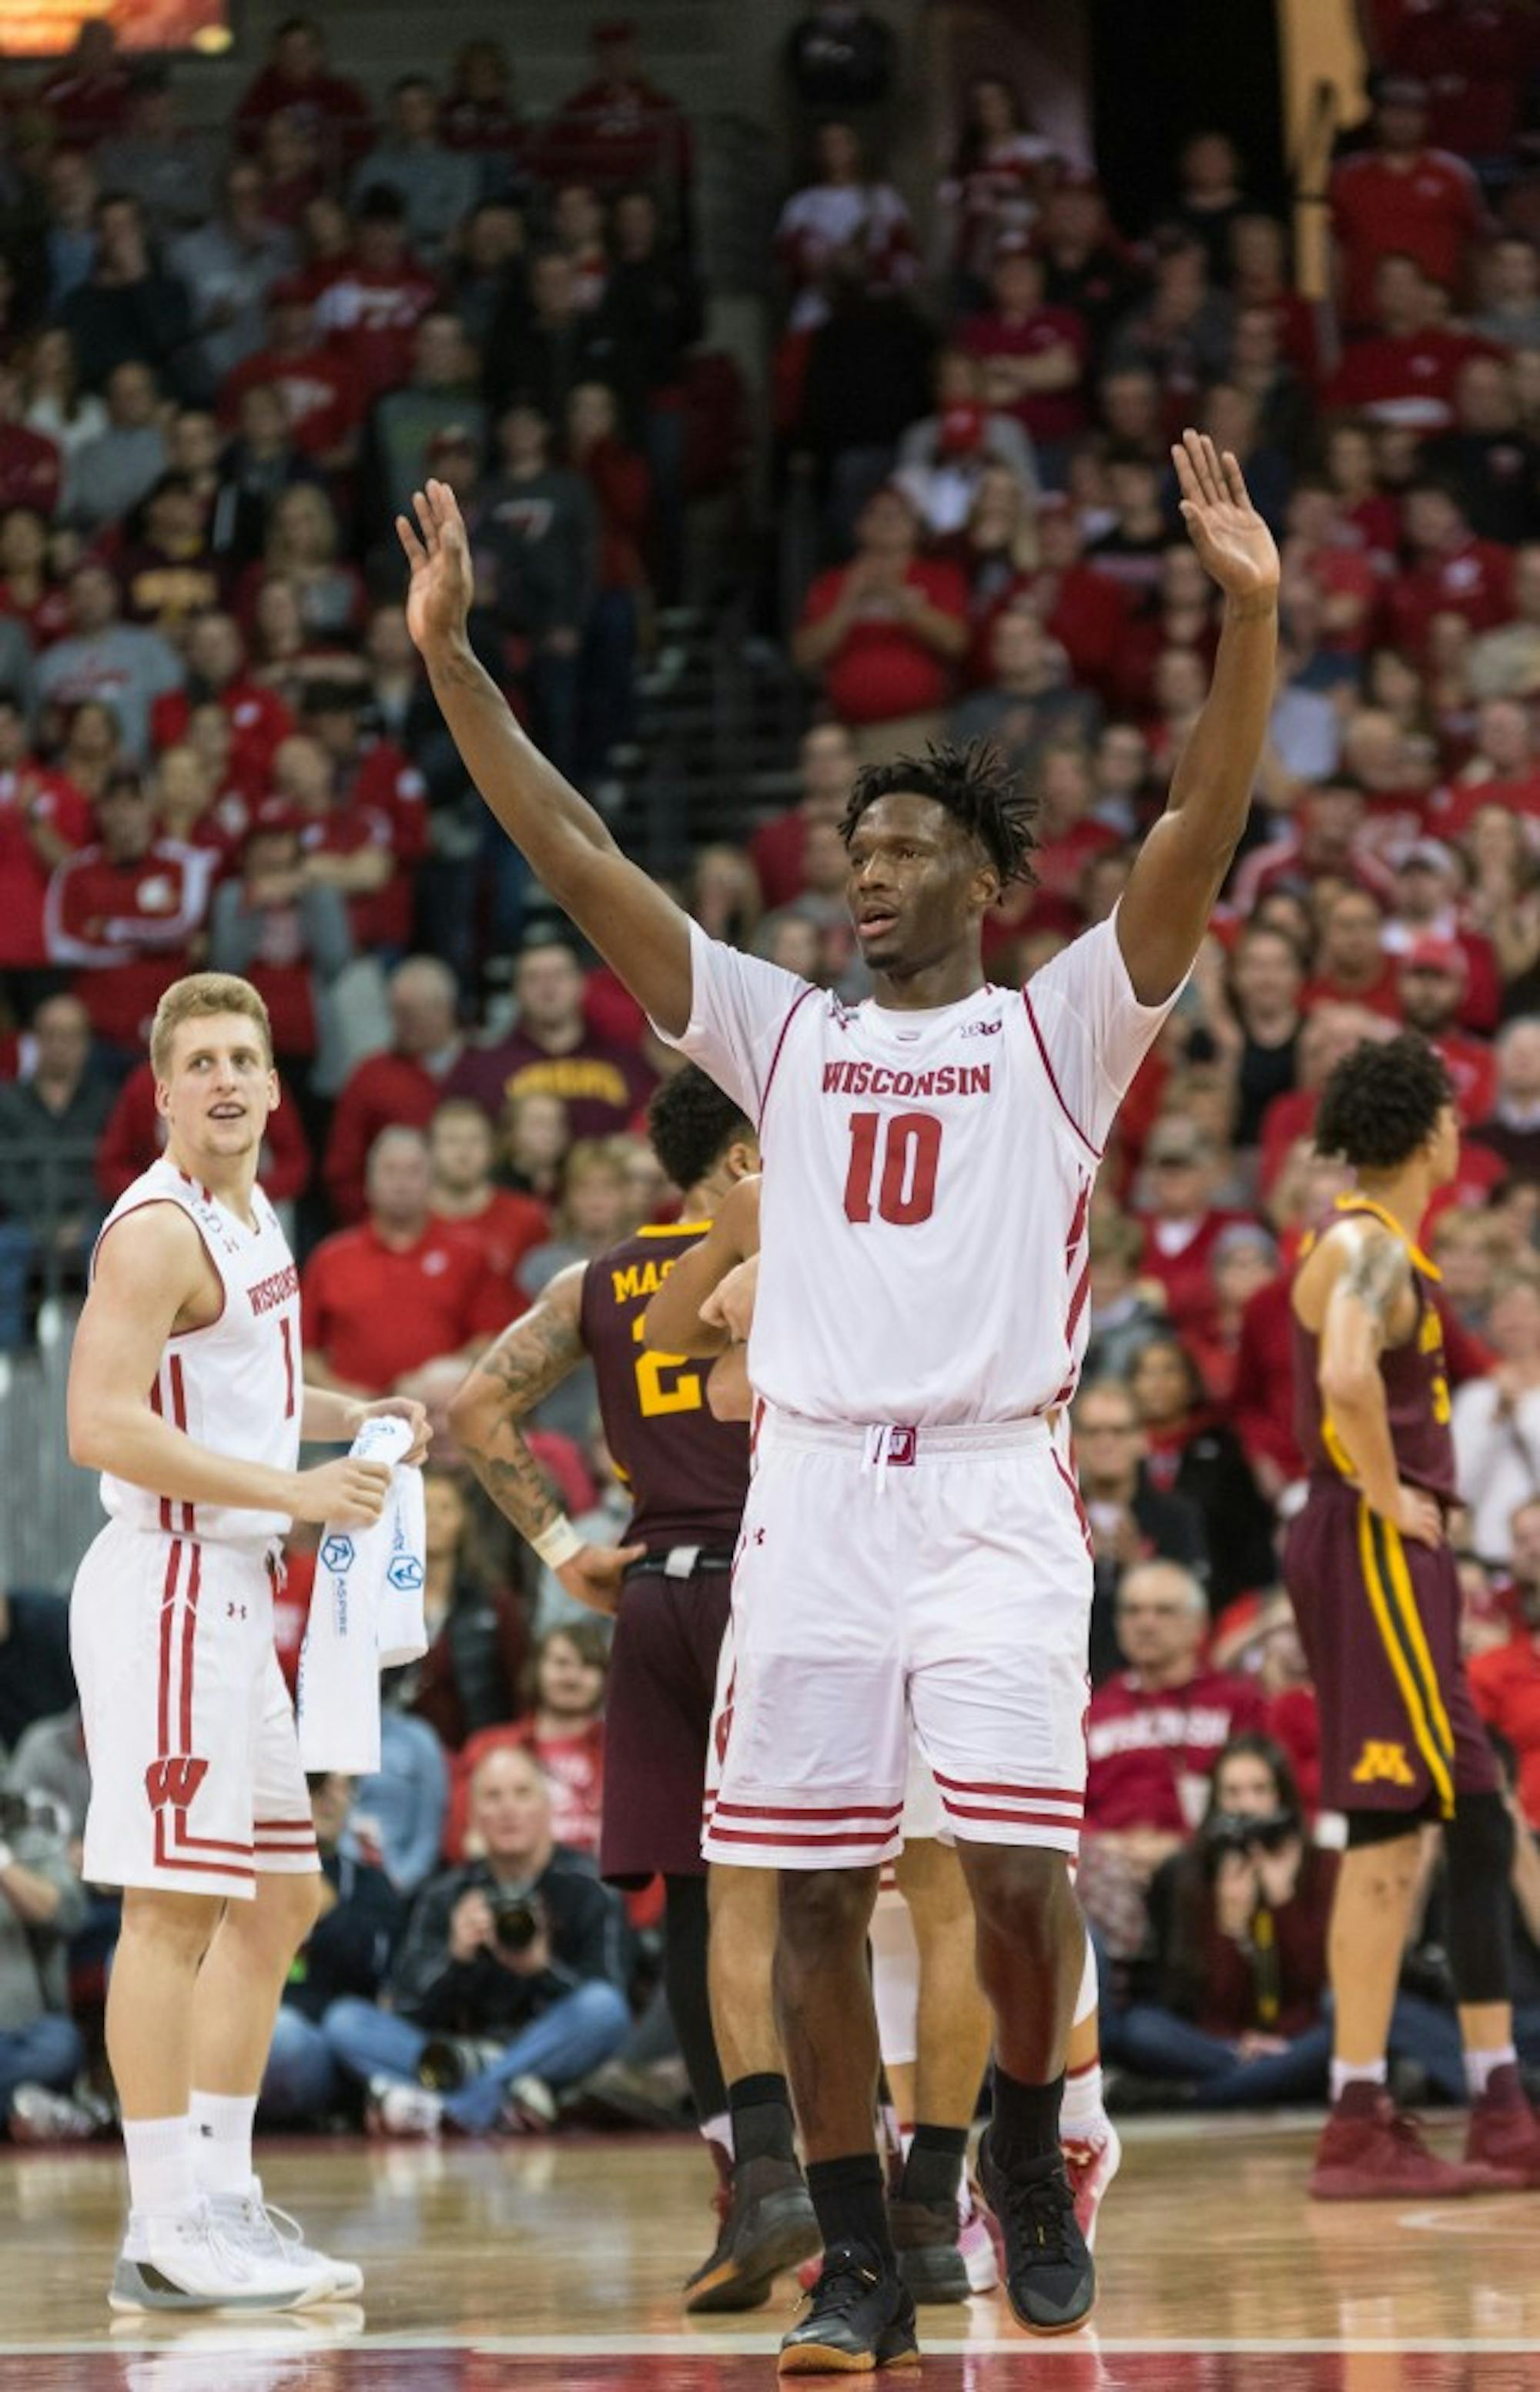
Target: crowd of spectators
(224, 366)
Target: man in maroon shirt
(620, 128)
(371, 302)
(404, 1086)
(554, 1051)
(1401, 195)
(296, 79)
(1035, 355)
(1154, 1732)
(401, 1289)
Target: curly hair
(692, 1125)
(1382, 1102)
(974, 783)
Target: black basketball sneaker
(858, 2318)
(1050, 2275)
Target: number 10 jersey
(927, 1176)
(236, 1386)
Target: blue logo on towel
(337, 1553)
(406, 1573)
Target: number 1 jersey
(236, 1386)
(928, 1177)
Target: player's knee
(177, 1927)
(286, 1909)
(825, 1910)
(1017, 1889)
(1384, 1853)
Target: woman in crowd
(1193, 1453)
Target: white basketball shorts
(889, 1576)
(196, 1782)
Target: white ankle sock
(222, 2140)
(1343, 2073)
(1082, 2115)
(719, 2130)
(162, 2183)
(1480, 2065)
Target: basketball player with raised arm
(669, 1589)
(929, 1164)
(1376, 1596)
(186, 1394)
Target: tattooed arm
(1368, 1305)
(511, 1378)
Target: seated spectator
(1086, 267)
(88, 94)
(297, 76)
(1199, 1457)
(620, 129)
(346, 1955)
(1326, 843)
(481, 115)
(1509, 313)
(553, 1050)
(160, 160)
(1511, 1130)
(997, 179)
(1350, 965)
(471, 1675)
(123, 913)
(136, 1136)
(462, 1145)
(400, 1289)
(374, 811)
(652, 313)
(166, 568)
(826, 761)
(842, 209)
(523, 1943)
(121, 665)
(1256, 1024)
(622, 487)
(44, 820)
(1236, 1968)
(51, 1116)
(882, 632)
(403, 1087)
(1244, 1261)
(272, 923)
(942, 460)
(1034, 355)
(320, 395)
(867, 378)
(1182, 331)
(216, 672)
(590, 1217)
(437, 184)
(1183, 1223)
(1505, 1682)
(1133, 548)
(42, 1904)
(127, 309)
(301, 545)
(1399, 195)
(292, 162)
(1260, 283)
(1431, 984)
(579, 230)
(564, 1731)
(536, 1132)
(1131, 1522)
(1503, 771)
(110, 475)
(1487, 456)
(230, 265)
(535, 535)
(399, 1815)
(369, 304)
(1451, 572)
(31, 600)
(1028, 703)
(1125, 1311)
(31, 462)
(439, 396)
(1405, 371)
(1496, 1421)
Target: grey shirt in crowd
(33, 1968)
(110, 475)
(123, 666)
(437, 187)
(229, 279)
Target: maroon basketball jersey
(688, 1474)
(1417, 1390)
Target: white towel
(366, 1613)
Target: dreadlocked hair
(974, 783)
(1382, 1102)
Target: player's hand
(1235, 544)
(1417, 1516)
(730, 1304)
(343, 1494)
(470, 1926)
(443, 582)
(594, 1574)
(405, 1408)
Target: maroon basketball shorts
(657, 1721)
(1380, 1619)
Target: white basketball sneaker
(192, 2263)
(259, 2231)
(1091, 2166)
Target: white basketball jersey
(236, 1386)
(927, 1176)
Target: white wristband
(558, 1543)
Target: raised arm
(636, 927)
(510, 1380)
(1182, 865)
(1369, 1305)
(152, 1276)
(674, 1322)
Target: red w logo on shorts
(175, 1782)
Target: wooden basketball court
(558, 2264)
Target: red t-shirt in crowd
(1405, 377)
(1045, 414)
(1430, 209)
(574, 1766)
(1380, 996)
(1452, 809)
(1140, 1745)
(328, 106)
(506, 1228)
(883, 670)
(1476, 58)
(259, 721)
(318, 388)
(31, 794)
(126, 928)
(1475, 581)
(383, 803)
(372, 315)
(136, 1136)
(30, 470)
(1472, 1068)
(777, 850)
(1504, 1683)
(374, 1311)
(1186, 1273)
(382, 1092)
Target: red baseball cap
(1435, 954)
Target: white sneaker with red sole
(1092, 2168)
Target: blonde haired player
(186, 1392)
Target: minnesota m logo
(174, 1782)
(1384, 1764)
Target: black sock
(851, 2204)
(933, 2170)
(1025, 2123)
(761, 2112)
